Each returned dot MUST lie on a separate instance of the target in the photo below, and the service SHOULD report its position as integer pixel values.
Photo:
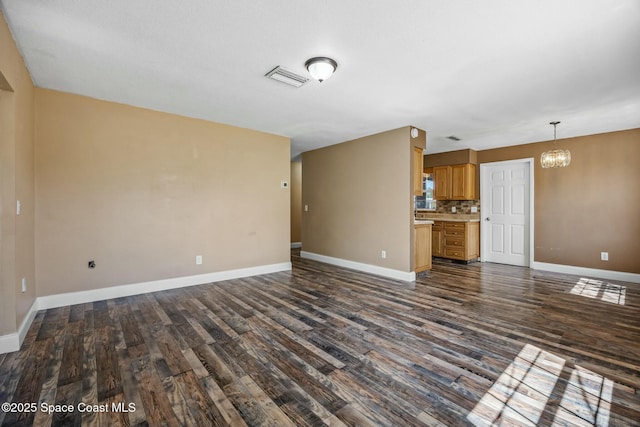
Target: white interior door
(506, 210)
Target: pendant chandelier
(555, 158)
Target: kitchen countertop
(422, 222)
(449, 217)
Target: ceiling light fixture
(321, 68)
(555, 158)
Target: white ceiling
(492, 72)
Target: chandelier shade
(556, 158)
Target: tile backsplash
(462, 206)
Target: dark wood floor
(479, 344)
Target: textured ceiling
(492, 72)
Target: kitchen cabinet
(461, 240)
(437, 239)
(455, 182)
(441, 182)
(422, 247)
(418, 162)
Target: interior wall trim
(296, 245)
(621, 276)
(9, 343)
(360, 266)
(12, 342)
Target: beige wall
(143, 192)
(296, 202)
(16, 183)
(360, 199)
(592, 205)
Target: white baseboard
(71, 298)
(591, 272)
(296, 245)
(360, 266)
(12, 342)
(26, 322)
(9, 343)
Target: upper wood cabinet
(418, 162)
(442, 182)
(456, 182)
(463, 182)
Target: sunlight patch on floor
(522, 392)
(607, 292)
(588, 396)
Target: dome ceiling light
(555, 158)
(321, 68)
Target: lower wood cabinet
(437, 239)
(422, 247)
(456, 240)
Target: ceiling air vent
(285, 76)
(453, 138)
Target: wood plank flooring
(467, 345)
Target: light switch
(306, 208)
(18, 207)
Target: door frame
(484, 205)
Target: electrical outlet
(306, 208)
(198, 259)
(284, 184)
(474, 209)
(18, 207)
(604, 256)
(383, 254)
(453, 209)
(24, 284)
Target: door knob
(487, 219)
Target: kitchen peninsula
(453, 236)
